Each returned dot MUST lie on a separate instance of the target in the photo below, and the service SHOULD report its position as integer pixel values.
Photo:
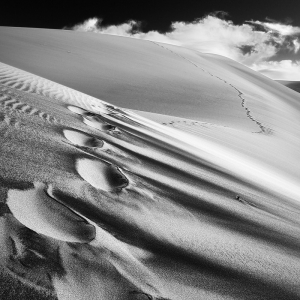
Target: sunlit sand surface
(82, 139)
(294, 85)
(101, 175)
(43, 214)
(176, 178)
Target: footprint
(82, 139)
(41, 213)
(95, 121)
(96, 147)
(104, 108)
(81, 111)
(101, 175)
(91, 119)
(77, 110)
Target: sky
(263, 35)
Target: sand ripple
(27, 82)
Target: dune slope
(184, 184)
(294, 85)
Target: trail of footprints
(98, 173)
(190, 123)
(9, 101)
(263, 129)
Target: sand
(101, 175)
(176, 177)
(82, 139)
(294, 85)
(43, 214)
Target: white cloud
(243, 43)
(214, 35)
(296, 45)
(94, 25)
(280, 70)
(283, 29)
(88, 25)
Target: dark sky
(155, 15)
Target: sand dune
(183, 185)
(122, 72)
(294, 85)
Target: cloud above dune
(254, 43)
(281, 70)
(283, 29)
(94, 25)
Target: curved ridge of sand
(44, 215)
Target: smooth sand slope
(184, 184)
(294, 85)
(126, 72)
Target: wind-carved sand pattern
(27, 82)
(9, 101)
(163, 215)
(249, 114)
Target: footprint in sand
(95, 146)
(105, 108)
(95, 121)
(38, 211)
(92, 119)
(82, 139)
(76, 109)
(99, 108)
(101, 175)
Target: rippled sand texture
(98, 202)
